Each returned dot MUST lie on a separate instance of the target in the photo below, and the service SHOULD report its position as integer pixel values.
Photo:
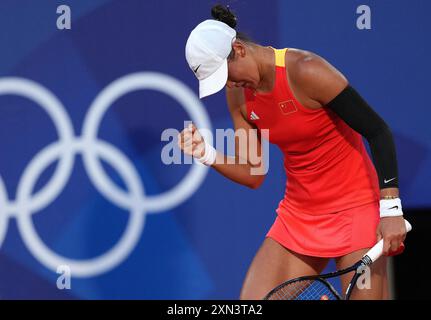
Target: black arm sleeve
(356, 112)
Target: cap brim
(215, 82)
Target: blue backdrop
(200, 245)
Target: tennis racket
(318, 288)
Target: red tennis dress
(331, 203)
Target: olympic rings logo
(93, 150)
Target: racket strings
(303, 290)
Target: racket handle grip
(377, 251)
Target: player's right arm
(246, 167)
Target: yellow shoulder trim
(280, 57)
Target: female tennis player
(337, 203)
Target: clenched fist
(191, 142)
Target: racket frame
(358, 267)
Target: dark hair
(223, 14)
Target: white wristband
(209, 156)
(390, 208)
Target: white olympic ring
(93, 150)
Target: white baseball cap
(207, 49)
